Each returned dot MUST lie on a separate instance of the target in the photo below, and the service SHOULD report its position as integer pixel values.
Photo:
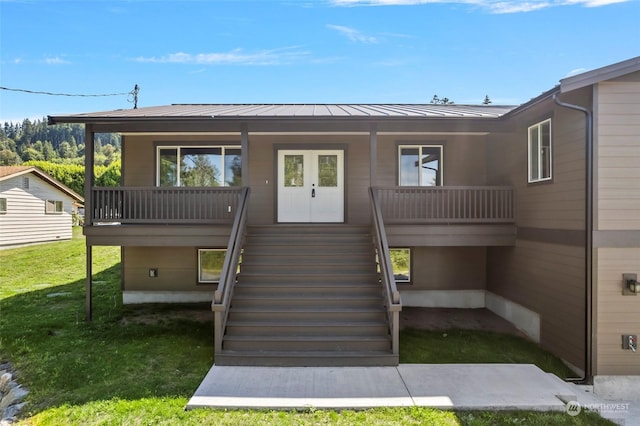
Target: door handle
(313, 191)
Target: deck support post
(89, 139)
(89, 285)
(395, 330)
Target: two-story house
(287, 217)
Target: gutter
(588, 233)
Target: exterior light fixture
(630, 284)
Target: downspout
(588, 232)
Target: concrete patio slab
(301, 387)
(450, 386)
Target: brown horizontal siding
(447, 268)
(158, 235)
(450, 235)
(464, 158)
(548, 279)
(616, 314)
(177, 269)
(618, 174)
(555, 204)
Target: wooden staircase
(307, 295)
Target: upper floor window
(3, 205)
(420, 165)
(199, 166)
(53, 206)
(540, 151)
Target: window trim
(3, 205)
(420, 146)
(178, 147)
(58, 207)
(540, 155)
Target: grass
(139, 365)
(475, 347)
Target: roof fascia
(533, 102)
(18, 173)
(289, 124)
(601, 74)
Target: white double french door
(310, 186)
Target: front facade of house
(34, 207)
(529, 211)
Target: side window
(539, 152)
(53, 206)
(420, 165)
(3, 205)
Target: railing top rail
(169, 188)
(446, 187)
(222, 295)
(391, 290)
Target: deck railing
(222, 296)
(136, 205)
(446, 204)
(390, 291)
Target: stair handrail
(393, 301)
(222, 295)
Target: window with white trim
(53, 207)
(420, 165)
(199, 166)
(539, 151)
(3, 205)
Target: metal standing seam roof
(293, 111)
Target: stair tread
(305, 309)
(307, 338)
(299, 353)
(307, 323)
(304, 297)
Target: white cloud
(234, 57)
(493, 6)
(353, 34)
(56, 60)
(576, 72)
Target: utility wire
(132, 95)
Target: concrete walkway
(446, 386)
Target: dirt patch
(450, 318)
(155, 318)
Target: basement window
(210, 263)
(401, 264)
(539, 150)
(53, 207)
(3, 205)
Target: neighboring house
(34, 207)
(531, 211)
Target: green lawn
(139, 365)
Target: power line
(132, 95)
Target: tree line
(60, 144)
(59, 152)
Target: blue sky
(297, 51)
